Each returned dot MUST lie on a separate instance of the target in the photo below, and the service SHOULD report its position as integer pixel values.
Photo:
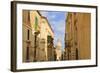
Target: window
(28, 16)
(76, 54)
(28, 33)
(75, 43)
(27, 54)
(75, 24)
(75, 21)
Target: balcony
(68, 43)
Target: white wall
(5, 37)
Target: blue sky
(57, 22)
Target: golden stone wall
(78, 35)
(41, 43)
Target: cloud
(50, 15)
(60, 25)
(44, 13)
(53, 16)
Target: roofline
(45, 18)
(38, 13)
(48, 23)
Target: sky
(57, 22)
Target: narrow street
(55, 36)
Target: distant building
(36, 30)
(58, 50)
(78, 36)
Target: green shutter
(36, 23)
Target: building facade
(28, 38)
(47, 35)
(78, 36)
(36, 30)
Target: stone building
(47, 35)
(36, 30)
(78, 36)
(35, 21)
(28, 38)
